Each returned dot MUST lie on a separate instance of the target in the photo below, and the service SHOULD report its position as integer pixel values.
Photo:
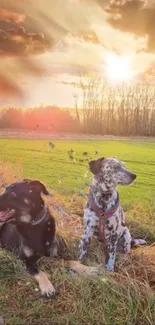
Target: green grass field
(123, 298)
(66, 176)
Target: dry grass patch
(116, 298)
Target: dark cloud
(38, 17)
(18, 43)
(21, 38)
(71, 83)
(135, 17)
(15, 40)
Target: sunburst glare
(118, 68)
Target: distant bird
(81, 160)
(85, 153)
(96, 153)
(71, 156)
(52, 145)
(70, 152)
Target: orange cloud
(10, 16)
(135, 17)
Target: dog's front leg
(85, 242)
(46, 287)
(91, 223)
(126, 240)
(111, 244)
(30, 259)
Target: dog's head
(110, 172)
(22, 201)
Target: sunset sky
(46, 44)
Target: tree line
(49, 118)
(124, 109)
(100, 108)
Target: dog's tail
(137, 242)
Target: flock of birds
(71, 153)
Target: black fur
(95, 165)
(29, 229)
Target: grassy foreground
(123, 298)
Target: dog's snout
(134, 176)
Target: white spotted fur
(116, 234)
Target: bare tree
(124, 109)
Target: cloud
(91, 37)
(74, 84)
(19, 43)
(135, 17)
(10, 16)
(15, 40)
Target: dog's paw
(48, 291)
(76, 268)
(109, 268)
(138, 242)
(110, 265)
(46, 287)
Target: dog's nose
(134, 176)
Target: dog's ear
(38, 186)
(95, 165)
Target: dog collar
(41, 216)
(102, 214)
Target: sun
(118, 68)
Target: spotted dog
(28, 228)
(103, 213)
